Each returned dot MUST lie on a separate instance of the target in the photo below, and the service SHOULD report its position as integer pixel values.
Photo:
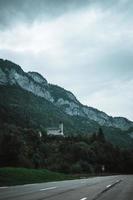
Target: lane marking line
(108, 186)
(50, 188)
(27, 185)
(3, 187)
(84, 198)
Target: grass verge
(19, 176)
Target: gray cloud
(84, 46)
(14, 11)
(30, 10)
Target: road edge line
(108, 187)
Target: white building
(56, 131)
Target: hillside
(12, 74)
(34, 103)
(27, 110)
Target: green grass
(19, 176)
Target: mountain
(32, 101)
(12, 74)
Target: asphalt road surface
(98, 188)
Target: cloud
(84, 46)
(12, 12)
(29, 11)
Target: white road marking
(26, 185)
(50, 188)
(108, 186)
(3, 187)
(84, 198)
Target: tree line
(23, 147)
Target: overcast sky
(85, 46)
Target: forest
(80, 154)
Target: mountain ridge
(12, 74)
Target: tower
(61, 128)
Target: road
(98, 188)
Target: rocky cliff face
(102, 118)
(12, 74)
(33, 82)
(38, 78)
